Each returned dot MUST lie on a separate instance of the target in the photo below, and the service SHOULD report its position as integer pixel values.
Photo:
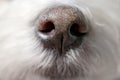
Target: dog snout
(63, 27)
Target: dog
(59, 40)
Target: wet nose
(62, 28)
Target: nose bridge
(63, 17)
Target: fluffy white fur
(22, 54)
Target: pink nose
(64, 28)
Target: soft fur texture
(23, 57)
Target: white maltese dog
(59, 39)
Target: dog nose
(62, 28)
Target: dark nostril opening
(76, 30)
(47, 27)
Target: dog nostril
(47, 27)
(77, 30)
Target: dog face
(58, 40)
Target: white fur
(21, 53)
